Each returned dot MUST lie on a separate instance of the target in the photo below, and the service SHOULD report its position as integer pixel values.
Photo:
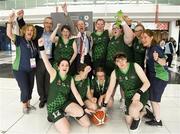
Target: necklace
(101, 87)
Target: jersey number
(56, 114)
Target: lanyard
(101, 89)
(31, 46)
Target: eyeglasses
(48, 23)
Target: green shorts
(143, 100)
(59, 113)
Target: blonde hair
(150, 34)
(140, 25)
(165, 35)
(24, 28)
(157, 36)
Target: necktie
(81, 43)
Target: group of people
(169, 47)
(77, 75)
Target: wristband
(104, 104)
(41, 48)
(84, 107)
(140, 92)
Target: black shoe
(49, 119)
(149, 114)
(41, 104)
(154, 123)
(135, 125)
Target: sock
(157, 120)
(137, 119)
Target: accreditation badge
(33, 62)
(48, 51)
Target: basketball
(98, 118)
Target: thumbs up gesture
(155, 55)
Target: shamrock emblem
(59, 82)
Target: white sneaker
(25, 110)
(122, 105)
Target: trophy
(118, 15)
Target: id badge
(33, 62)
(48, 51)
(82, 59)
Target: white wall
(143, 12)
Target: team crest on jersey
(99, 39)
(104, 38)
(137, 47)
(58, 82)
(132, 77)
(94, 39)
(60, 45)
(117, 42)
(65, 85)
(120, 78)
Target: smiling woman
(28, 31)
(59, 103)
(138, 48)
(65, 47)
(156, 71)
(25, 61)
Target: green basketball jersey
(139, 52)
(130, 83)
(82, 87)
(58, 93)
(99, 89)
(100, 43)
(63, 50)
(115, 46)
